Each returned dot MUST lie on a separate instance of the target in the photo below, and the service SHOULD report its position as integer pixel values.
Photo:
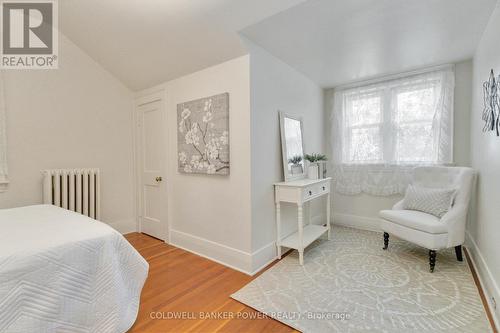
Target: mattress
(61, 271)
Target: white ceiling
(339, 41)
(146, 42)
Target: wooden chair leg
(432, 260)
(386, 241)
(458, 252)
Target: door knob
(159, 179)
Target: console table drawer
(309, 192)
(324, 188)
(315, 190)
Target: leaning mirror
(292, 147)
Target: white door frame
(158, 96)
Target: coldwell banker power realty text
(29, 34)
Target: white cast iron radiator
(73, 189)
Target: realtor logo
(29, 34)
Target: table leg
(309, 212)
(301, 227)
(278, 229)
(328, 224)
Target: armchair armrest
(455, 220)
(455, 214)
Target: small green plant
(313, 158)
(295, 160)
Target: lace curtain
(3, 140)
(381, 131)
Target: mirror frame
(289, 176)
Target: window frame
(388, 125)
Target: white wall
(232, 219)
(76, 116)
(210, 215)
(362, 210)
(277, 86)
(484, 225)
(463, 105)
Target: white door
(152, 148)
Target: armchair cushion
(415, 220)
(429, 200)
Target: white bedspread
(63, 272)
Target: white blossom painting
(203, 135)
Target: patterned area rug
(349, 284)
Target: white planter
(312, 172)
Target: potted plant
(296, 165)
(314, 160)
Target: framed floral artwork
(203, 135)
(491, 111)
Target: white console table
(300, 192)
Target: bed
(64, 272)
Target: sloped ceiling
(146, 42)
(335, 41)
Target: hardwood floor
(481, 291)
(183, 284)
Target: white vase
(312, 172)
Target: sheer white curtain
(381, 130)
(3, 140)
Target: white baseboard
(486, 278)
(123, 226)
(222, 254)
(358, 222)
(263, 257)
(318, 219)
(248, 263)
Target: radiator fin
(74, 189)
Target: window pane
(415, 104)
(396, 121)
(414, 143)
(365, 145)
(364, 110)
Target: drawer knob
(324, 188)
(310, 193)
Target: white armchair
(427, 230)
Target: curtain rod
(390, 77)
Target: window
(402, 121)
(414, 119)
(364, 126)
(381, 130)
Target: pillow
(432, 201)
